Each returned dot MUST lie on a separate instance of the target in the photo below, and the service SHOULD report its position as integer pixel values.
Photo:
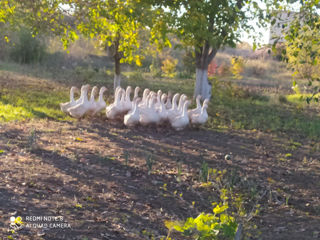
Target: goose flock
(152, 108)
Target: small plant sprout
(149, 163)
(178, 177)
(126, 156)
(204, 172)
(216, 225)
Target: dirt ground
(78, 170)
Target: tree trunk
(117, 57)
(117, 73)
(203, 87)
(204, 56)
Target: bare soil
(78, 170)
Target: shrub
(218, 225)
(169, 66)
(27, 49)
(223, 69)
(237, 67)
(212, 68)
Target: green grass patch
(20, 105)
(231, 107)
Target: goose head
(101, 92)
(158, 100)
(136, 93)
(206, 101)
(153, 97)
(117, 90)
(128, 92)
(168, 101)
(182, 99)
(122, 93)
(162, 110)
(145, 94)
(151, 93)
(163, 98)
(72, 90)
(64, 106)
(84, 90)
(204, 107)
(83, 87)
(94, 91)
(185, 107)
(119, 96)
(174, 101)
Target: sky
(264, 39)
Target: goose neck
(198, 102)
(185, 108)
(118, 95)
(72, 94)
(204, 108)
(101, 95)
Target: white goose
(136, 95)
(100, 104)
(181, 121)
(164, 99)
(174, 109)
(182, 99)
(72, 102)
(196, 110)
(168, 102)
(80, 109)
(126, 101)
(145, 95)
(148, 114)
(162, 110)
(92, 100)
(158, 102)
(114, 109)
(202, 117)
(133, 116)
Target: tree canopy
(117, 25)
(208, 25)
(303, 45)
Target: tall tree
(303, 46)
(117, 25)
(208, 25)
